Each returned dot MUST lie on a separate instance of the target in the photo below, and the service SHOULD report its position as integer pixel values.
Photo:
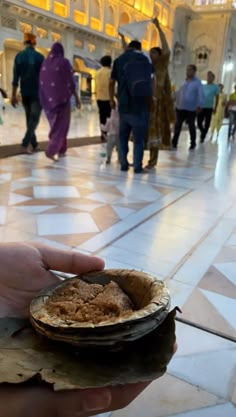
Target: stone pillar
(68, 41)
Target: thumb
(78, 403)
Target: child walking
(112, 128)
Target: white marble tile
(122, 212)
(225, 305)
(50, 242)
(168, 396)
(232, 240)
(17, 198)
(217, 411)
(142, 191)
(212, 371)
(192, 271)
(158, 268)
(9, 234)
(3, 214)
(34, 209)
(179, 292)
(222, 231)
(194, 341)
(104, 415)
(55, 191)
(64, 224)
(84, 207)
(168, 249)
(5, 178)
(114, 264)
(228, 269)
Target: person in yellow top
(218, 116)
(232, 114)
(102, 80)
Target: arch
(124, 18)
(80, 12)
(80, 5)
(95, 9)
(110, 15)
(110, 21)
(95, 19)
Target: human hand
(78, 103)
(198, 110)
(14, 101)
(18, 401)
(156, 22)
(25, 270)
(113, 104)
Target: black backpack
(138, 72)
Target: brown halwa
(91, 303)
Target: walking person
(112, 127)
(232, 115)
(211, 92)
(189, 102)
(218, 116)
(57, 86)
(133, 73)
(102, 80)
(27, 67)
(163, 113)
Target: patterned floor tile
(215, 281)
(166, 397)
(199, 309)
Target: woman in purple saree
(56, 88)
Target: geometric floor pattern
(178, 223)
(216, 293)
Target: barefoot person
(163, 113)
(26, 71)
(211, 92)
(189, 102)
(57, 85)
(102, 80)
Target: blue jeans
(32, 112)
(138, 124)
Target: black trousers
(181, 117)
(33, 110)
(104, 108)
(204, 121)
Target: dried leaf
(24, 355)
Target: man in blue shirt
(27, 67)
(189, 102)
(211, 91)
(133, 107)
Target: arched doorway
(124, 18)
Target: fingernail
(97, 400)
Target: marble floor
(84, 123)
(178, 223)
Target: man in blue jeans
(27, 67)
(134, 97)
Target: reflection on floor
(84, 123)
(178, 223)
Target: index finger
(68, 261)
